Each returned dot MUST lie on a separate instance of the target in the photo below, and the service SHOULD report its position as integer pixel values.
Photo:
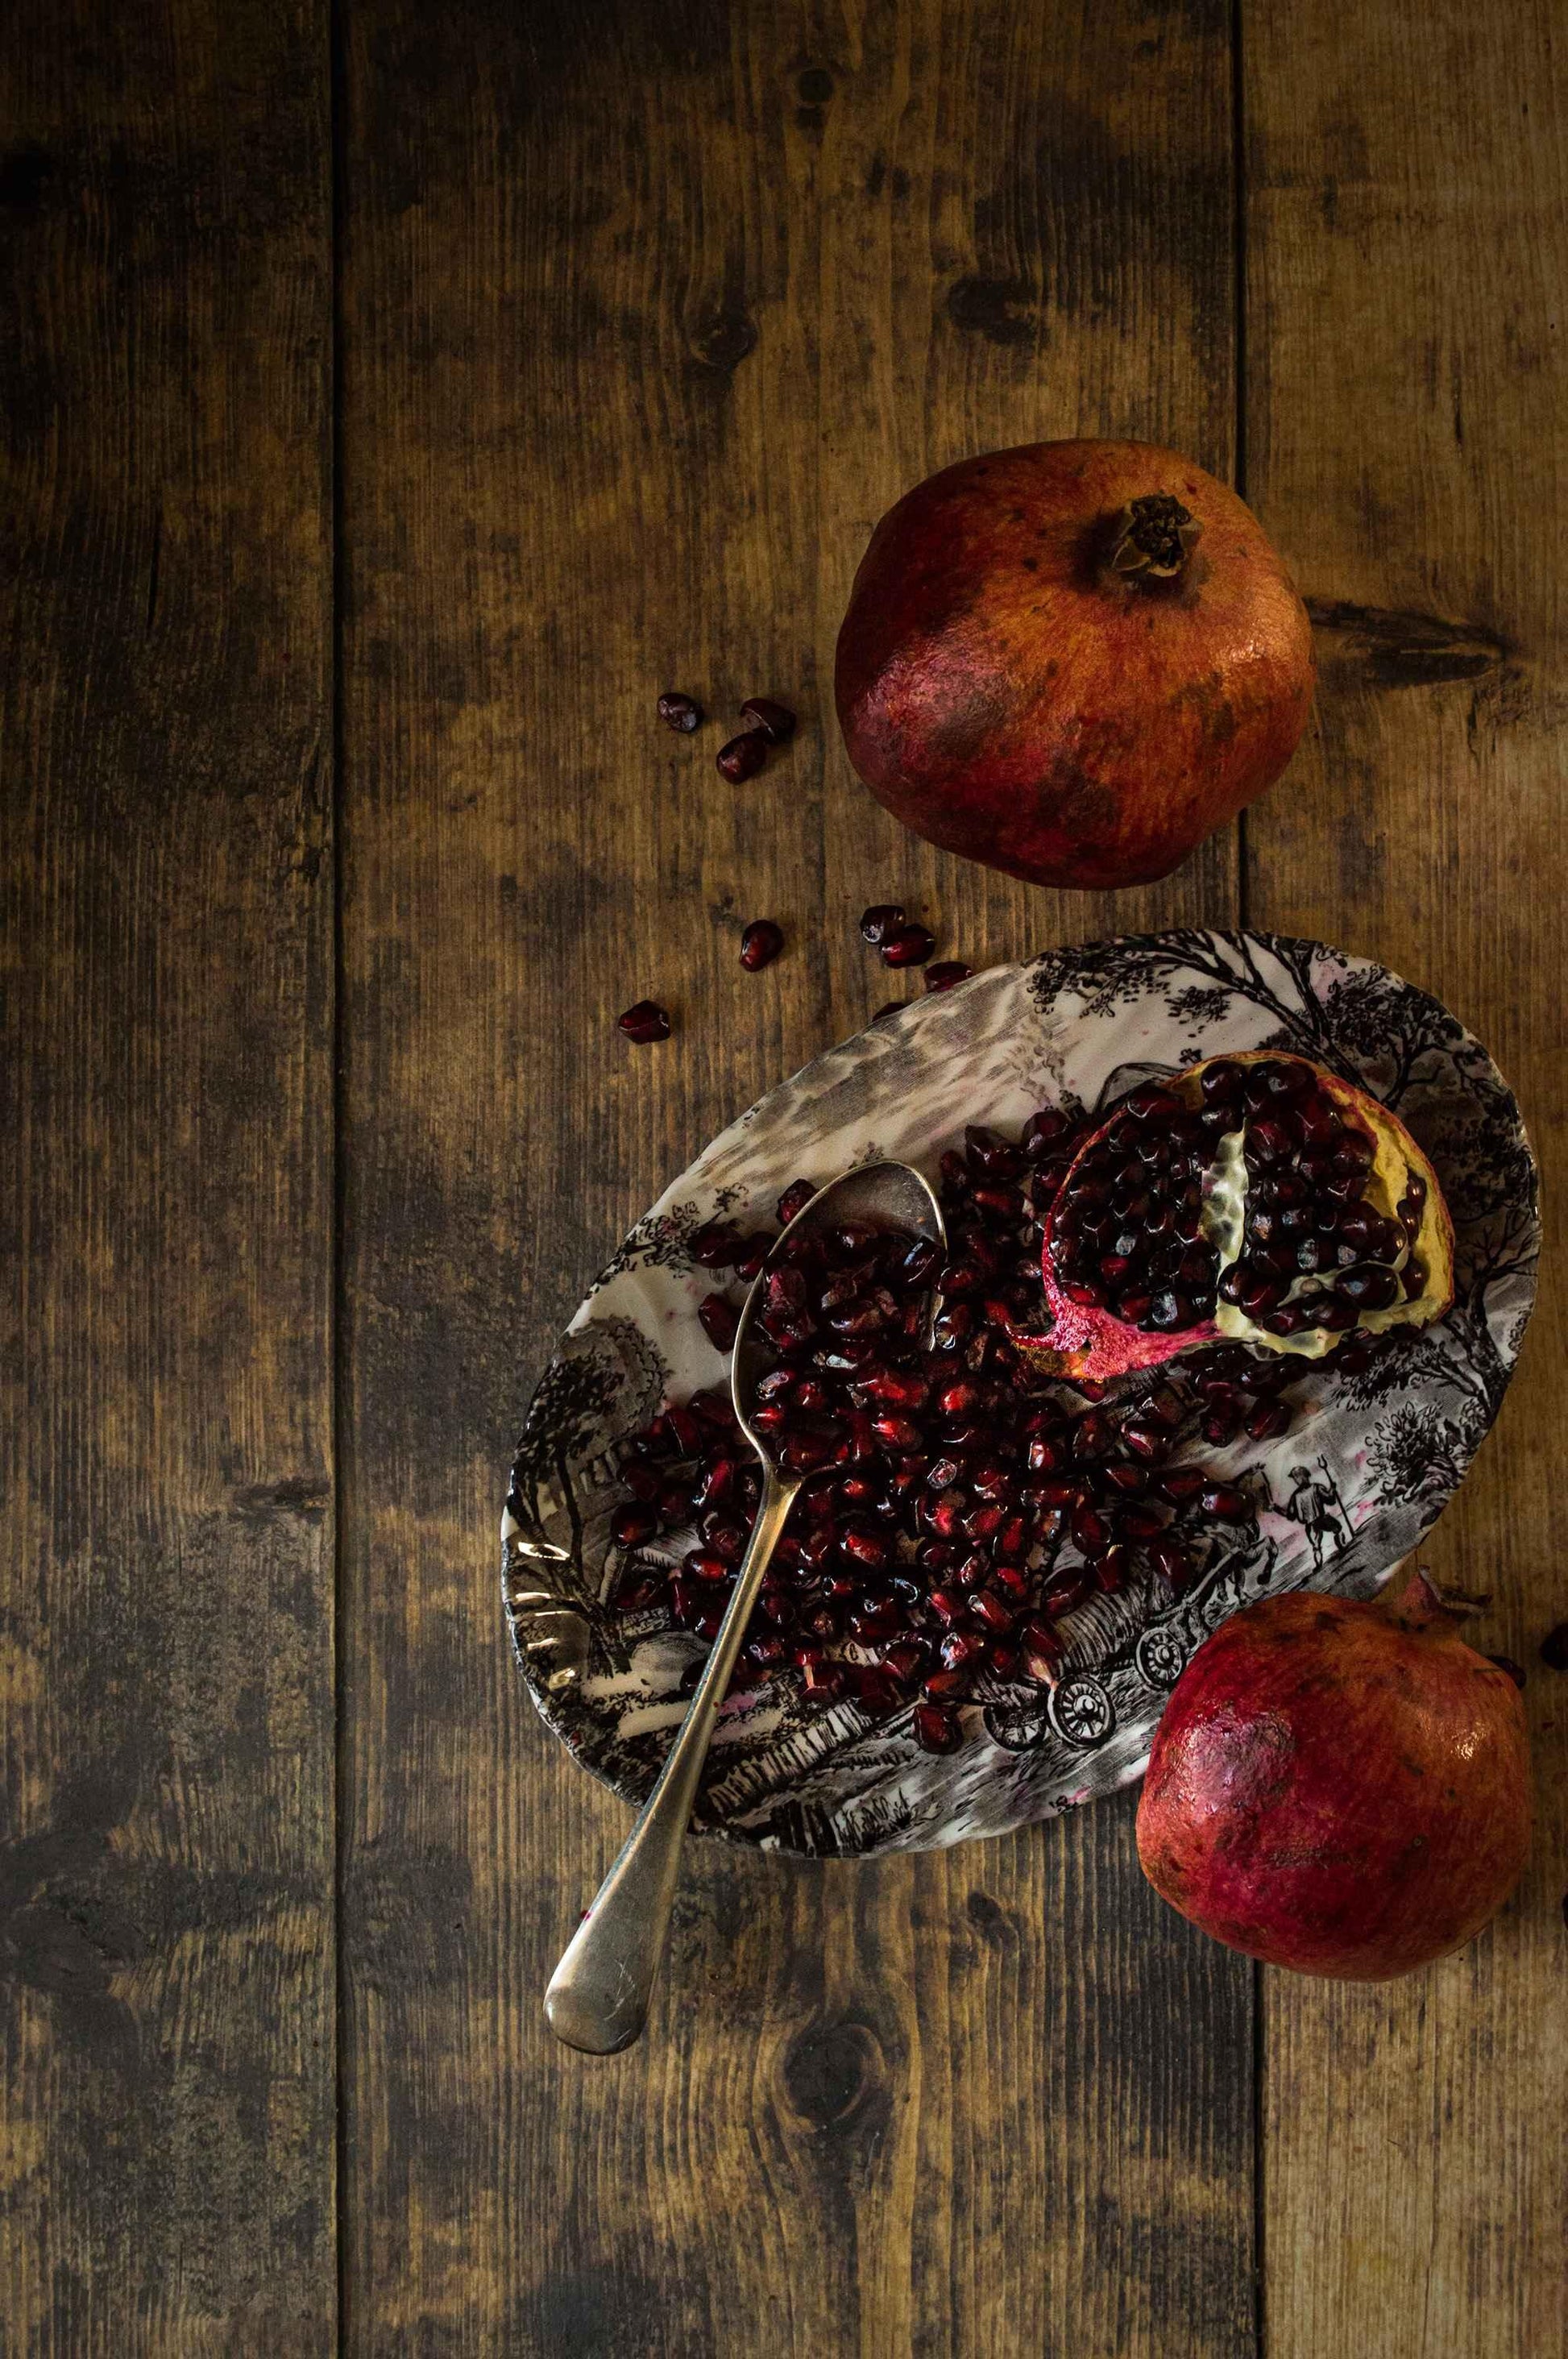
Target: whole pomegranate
(1338, 1788)
(1072, 660)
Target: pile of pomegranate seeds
(953, 1510)
(1129, 1236)
(646, 1021)
(761, 944)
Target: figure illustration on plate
(1314, 1502)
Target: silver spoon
(598, 1998)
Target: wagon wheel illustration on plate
(1017, 1727)
(1162, 1655)
(1081, 1712)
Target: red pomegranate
(1072, 660)
(1341, 1788)
(1258, 1199)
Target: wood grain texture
(166, 1630)
(648, 314)
(1408, 432)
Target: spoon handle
(598, 1998)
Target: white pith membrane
(1223, 1219)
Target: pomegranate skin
(1337, 1787)
(1010, 695)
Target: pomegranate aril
(701, 1565)
(1225, 1501)
(1268, 1420)
(761, 944)
(1146, 1439)
(866, 1544)
(679, 712)
(1368, 1288)
(945, 973)
(963, 1647)
(936, 1729)
(991, 1610)
(1041, 1651)
(742, 757)
(828, 1680)
(775, 722)
(715, 1244)
(879, 921)
(904, 1660)
(645, 1021)
(634, 1524)
(767, 1649)
(909, 945)
(636, 1595)
(1111, 1570)
(719, 1320)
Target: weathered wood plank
(648, 313)
(166, 1637)
(1408, 427)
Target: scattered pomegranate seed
(742, 757)
(1554, 1649)
(945, 973)
(761, 944)
(646, 1021)
(678, 711)
(879, 921)
(775, 722)
(909, 945)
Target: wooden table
(398, 398)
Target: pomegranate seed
(794, 1201)
(645, 1021)
(634, 1524)
(701, 1566)
(742, 757)
(947, 1686)
(963, 1647)
(1268, 1420)
(719, 1320)
(909, 945)
(936, 1729)
(636, 1596)
(994, 1612)
(775, 722)
(761, 944)
(1041, 1651)
(945, 973)
(678, 711)
(715, 1245)
(879, 921)
(824, 1680)
(1222, 1499)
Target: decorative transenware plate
(1370, 1461)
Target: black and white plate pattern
(1368, 1465)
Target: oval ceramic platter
(1373, 1455)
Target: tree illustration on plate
(1414, 1450)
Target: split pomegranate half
(1255, 1198)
